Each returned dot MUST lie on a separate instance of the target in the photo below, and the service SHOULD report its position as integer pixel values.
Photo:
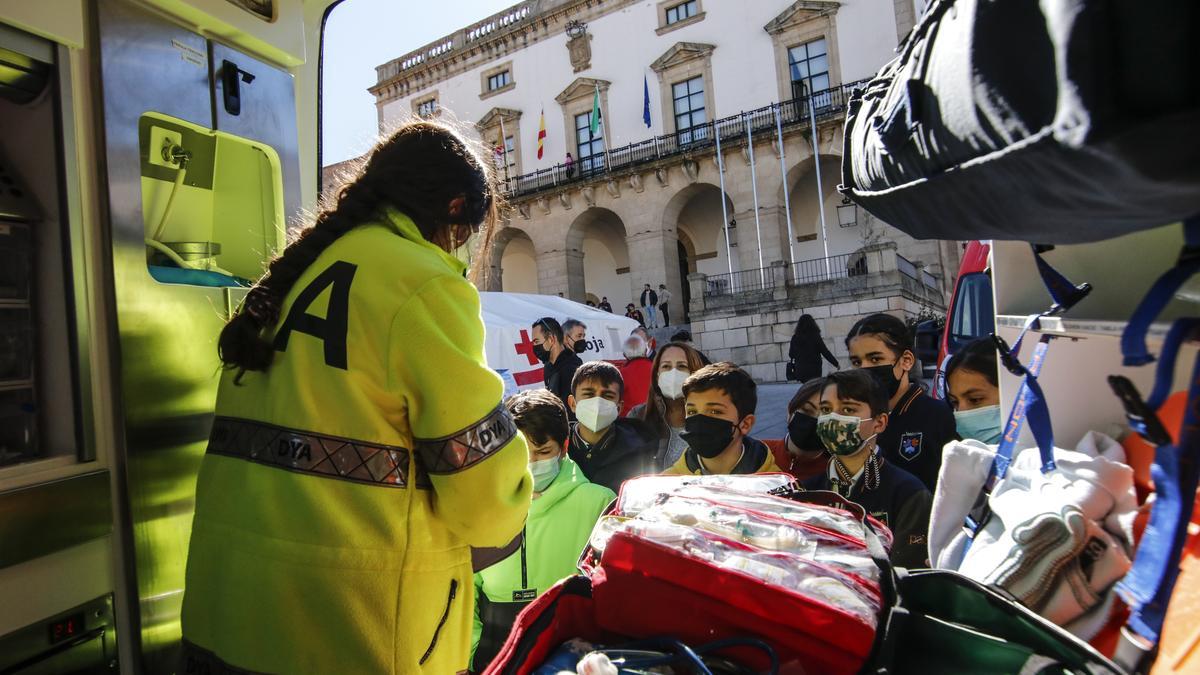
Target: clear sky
(362, 34)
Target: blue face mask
(981, 424)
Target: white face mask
(544, 472)
(596, 413)
(671, 383)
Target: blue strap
(1064, 293)
(1030, 404)
(1133, 339)
(1148, 586)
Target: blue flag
(646, 101)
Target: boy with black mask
(559, 363)
(853, 416)
(918, 426)
(800, 452)
(720, 403)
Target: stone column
(698, 283)
(654, 260)
(561, 271)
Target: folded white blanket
(1057, 541)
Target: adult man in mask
(575, 336)
(558, 362)
(720, 403)
(609, 449)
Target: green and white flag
(596, 111)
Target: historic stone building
(736, 236)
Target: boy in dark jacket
(609, 449)
(853, 414)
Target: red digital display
(66, 628)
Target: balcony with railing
(872, 271)
(794, 113)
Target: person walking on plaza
(664, 297)
(806, 350)
(650, 306)
(360, 450)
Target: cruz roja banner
(508, 318)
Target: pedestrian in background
(650, 306)
(604, 305)
(806, 350)
(664, 297)
(632, 313)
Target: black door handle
(232, 78)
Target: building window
(681, 11)
(427, 108)
(809, 67)
(690, 117)
(590, 146)
(499, 80)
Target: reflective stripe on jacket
(343, 487)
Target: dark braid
(419, 170)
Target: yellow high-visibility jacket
(343, 487)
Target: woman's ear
(458, 206)
(907, 361)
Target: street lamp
(847, 213)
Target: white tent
(508, 318)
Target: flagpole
(812, 121)
(762, 271)
(724, 208)
(787, 207)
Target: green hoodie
(560, 522)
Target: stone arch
(598, 257)
(802, 201)
(695, 214)
(514, 262)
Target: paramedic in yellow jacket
(360, 447)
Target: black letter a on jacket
(333, 328)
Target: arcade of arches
(608, 237)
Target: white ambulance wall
(1074, 377)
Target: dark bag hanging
(790, 371)
(1059, 121)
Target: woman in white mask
(565, 508)
(973, 390)
(663, 411)
(853, 414)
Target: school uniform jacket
(918, 428)
(343, 488)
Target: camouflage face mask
(839, 434)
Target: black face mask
(802, 432)
(708, 436)
(541, 353)
(885, 376)
(579, 347)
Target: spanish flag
(541, 133)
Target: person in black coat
(806, 350)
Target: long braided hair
(419, 170)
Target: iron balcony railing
(744, 281)
(827, 104)
(803, 272)
(825, 269)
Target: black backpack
(1059, 121)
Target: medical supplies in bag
(1057, 541)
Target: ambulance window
(972, 316)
